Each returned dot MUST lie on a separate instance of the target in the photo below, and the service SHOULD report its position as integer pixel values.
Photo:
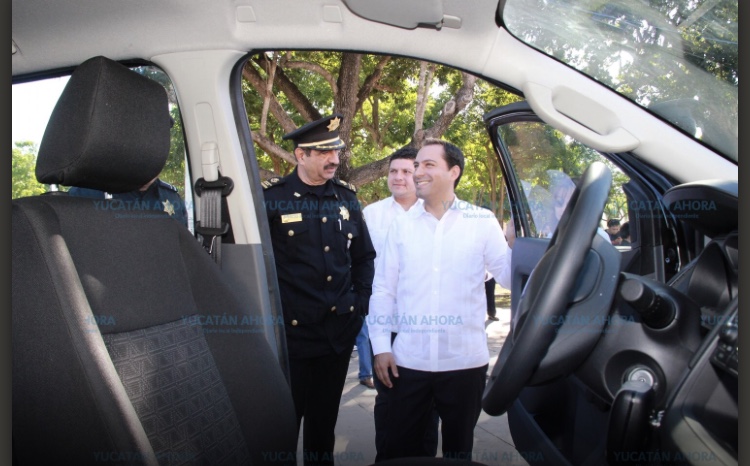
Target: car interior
(149, 343)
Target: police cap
(321, 134)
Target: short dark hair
(625, 230)
(452, 155)
(406, 153)
(613, 222)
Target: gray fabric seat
(128, 346)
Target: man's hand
(383, 362)
(510, 233)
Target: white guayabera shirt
(429, 282)
(379, 218)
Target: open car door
(619, 353)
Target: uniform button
(351, 308)
(324, 219)
(333, 309)
(291, 232)
(350, 236)
(329, 278)
(294, 322)
(326, 249)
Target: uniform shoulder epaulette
(275, 181)
(164, 184)
(343, 183)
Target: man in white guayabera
(429, 282)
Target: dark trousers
(380, 413)
(489, 289)
(457, 396)
(317, 385)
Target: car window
(388, 102)
(33, 103)
(547, 166)
(678, 59)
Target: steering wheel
(547, 293)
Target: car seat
(128, 345)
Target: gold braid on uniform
(343, 183)
(272, 182)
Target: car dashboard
(661, 385)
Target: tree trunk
(345, 102)
(423, 93)
(300, 102)
(348, 99)
(360, 176)
(460, 101)
(267, 95)
(256, 80)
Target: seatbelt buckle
(224, 183)
(209, 234)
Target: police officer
(154, 195)
(325, 267)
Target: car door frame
(655, 252)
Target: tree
(23, 163)
(387, 103)
(174, 168)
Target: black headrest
(109, 130)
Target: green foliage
(373, 192)
(23, 162)
(25, 152)
(386, 121)
(174, 169)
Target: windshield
(678, 58)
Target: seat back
(128, 345)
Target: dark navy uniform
(325, 267)
(324, 261)
(160, 196)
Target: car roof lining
(202, 28)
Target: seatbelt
(211, 189)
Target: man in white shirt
(379, 216)
(429, 281)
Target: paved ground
(355, 430)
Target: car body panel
(202, 46)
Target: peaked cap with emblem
(321, 134)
